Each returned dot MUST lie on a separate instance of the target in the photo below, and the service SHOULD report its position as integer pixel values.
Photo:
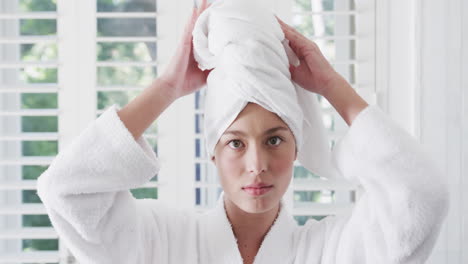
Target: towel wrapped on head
(243, 43)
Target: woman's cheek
(230, 169)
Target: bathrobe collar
(277, 246)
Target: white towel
(244, 44)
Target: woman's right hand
(182, 76)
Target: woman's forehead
(254, 119)
(253, 111)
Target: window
(344, 31)
(56, 76)
(28, 126)
(126, 59)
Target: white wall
(422, 63)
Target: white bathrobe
(396, 220)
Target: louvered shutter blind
(125, 61)
(344, 31)
(62, 63)
(28, 127)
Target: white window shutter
(20, 72)
(344, 31)
(105, 53)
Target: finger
(189, 25)
(289, 29)
(204, 4)
(286, 26)
(202, 7)
(291, 68)
(279, 20)
(190, 22)
(295, 38)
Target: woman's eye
(276, 137)
(273, 140)
(236, 141)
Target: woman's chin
(257, 206)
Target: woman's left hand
(314, 73)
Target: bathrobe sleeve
(86, 194)
(405, 200)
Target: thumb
(291, 68)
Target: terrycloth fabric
(243, 43)
(396, 220)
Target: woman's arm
(405, 200)
(86, 189)
(181, 77)
(315, 74)
(347, 102)
(141, 112)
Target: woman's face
(255, 155)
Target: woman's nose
(257, 160)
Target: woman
(397, 220)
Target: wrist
(165, 88)
(335, 86)
(345, 100)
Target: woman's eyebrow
(269, 131)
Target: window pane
(36, 221)
(39, 244)
(30, 196)
(313, 196)
(302, 219)
(322, 24)
(44, 52)
(324, 5)
(32, 172)
(39, 148)
(37, 5)
(123, 51)
(141, 193)
(302, 173)
(39, 123)
(199, 123)
(106, 99)
(126, 5)
(324, 197)
(152, 142)
(39, 100)
(38, 27)
(126, 27)
(208, 172)
(207, 196)
(36, 75)
(126, 75)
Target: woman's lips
(257, 191)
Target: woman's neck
(249, 227)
